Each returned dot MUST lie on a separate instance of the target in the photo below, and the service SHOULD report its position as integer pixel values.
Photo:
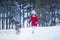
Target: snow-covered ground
(41, 33)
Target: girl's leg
(33, 29)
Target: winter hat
(33, 12)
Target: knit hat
(33, 12)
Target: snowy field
(41, 33)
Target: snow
(41, 33)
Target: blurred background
(18, 12)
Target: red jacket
(34, 20)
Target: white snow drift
(41, 33)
